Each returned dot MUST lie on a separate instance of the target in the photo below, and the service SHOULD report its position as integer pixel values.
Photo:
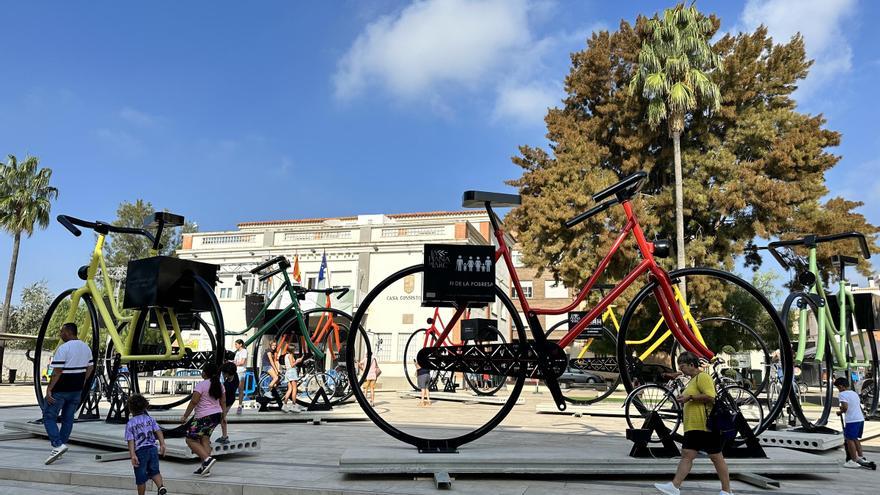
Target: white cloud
(137, 117)
(526, 104)
(485, 47)
(432, 42)
(821, 24)
(120, 141)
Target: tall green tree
(25, 201)
(26, 317)
(123, 248)
(755, 169)
(674, 75)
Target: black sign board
(594, 329)
(480, 329)
(456, 273)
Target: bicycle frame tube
(827, 329)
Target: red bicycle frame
(663, 291)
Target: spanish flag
(296, 275)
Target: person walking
(423, 376)
(207, 402)
(240, 361)
(230, 389)
(697, 398)
(142, 433)
(853, 423)
(292, 376)
(372, 375)
(72, 367)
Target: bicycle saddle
(478, 199)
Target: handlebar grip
(271, 274)
(266, 264)
(589, 213)
(342, 292)
(65, 221)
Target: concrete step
(112, 436)
(598, 409)
(351, 412)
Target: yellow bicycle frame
(686, 312)
(113, 315)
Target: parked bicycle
(291, 325)
(827, 344)
(663, 400)
(712, 296)
(163, 298)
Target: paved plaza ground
(304, 458)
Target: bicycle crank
(494, 359)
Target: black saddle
(478, 199)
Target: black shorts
(705, 441)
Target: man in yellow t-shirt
(697, 398)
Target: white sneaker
(56, 453)
(863, 459)
(852, 464)
(667, 488)
(725, 493)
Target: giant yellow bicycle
(168, 327)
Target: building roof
(300, 221)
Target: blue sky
(229, 112)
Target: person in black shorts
(697, 399)
(230, 384)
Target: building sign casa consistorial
(457, 273)
(409, 285)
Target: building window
(382, 347)
(225, 293)
(402, 338)
(555, 290)
(526, 288)
(312, 282)
(516, 258)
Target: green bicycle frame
(111, 316)
(825, 322)
(293, 306)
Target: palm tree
(673, 75)
(25, 200)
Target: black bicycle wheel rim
(41, 339)
(626, 364)
(611, 385)
(341, 353)
(215, 338)
(413, 339)
(428, 444)
(633, 402)
(811, 421)
(489, 390)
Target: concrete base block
(345, 413)
(598, 409)
(112, 436)
(468, 397)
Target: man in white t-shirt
(240, 361)
(72, 366)
(853, 423)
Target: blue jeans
(148, 464)
(67, 404)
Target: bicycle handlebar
(622, 191)
(813, 240)
(271, 274)
(332, 290)
(104, 228)
(267, 264)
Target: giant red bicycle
(727, 316)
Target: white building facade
(361, 251)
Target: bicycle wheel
(760, 357)
(812, 407)
(486, 383)
(747, 403)
(455, 418)
(415, 343)
(59, 312)
(737, 313)
(334, 352)
(205, 345)
(592, 373)
(316, 382)
(651, 398)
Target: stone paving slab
(598, 409)
(112, 436)
(343, 413)
(603, 457)
(461, 397)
